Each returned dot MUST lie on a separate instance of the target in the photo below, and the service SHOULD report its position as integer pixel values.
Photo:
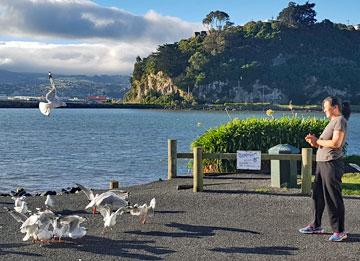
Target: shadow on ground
(238, 191)
(274, 250)
(4, 250)
(190, 231)
(138, 249)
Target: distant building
(25, 98)
(201, 33)
(96, 99)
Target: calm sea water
(94, 146)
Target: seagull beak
(94, 210)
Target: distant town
(96, 99)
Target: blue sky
(105, 36)
(240, 11)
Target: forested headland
(291, 58)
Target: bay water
(94, 146)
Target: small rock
(49, 192)
(74, 189)
(20, 193)
(27, 194)
(18, 190)
(5, 195)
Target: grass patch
(351, 184)
(263, 190)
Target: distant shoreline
(201, 107)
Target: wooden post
(114, 184)
(197, 170)
(306, 170)
(172, 159)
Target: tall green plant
(256, 134)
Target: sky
(105, 36)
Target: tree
(216, 20)
(298, 15)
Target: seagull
(70, 226)
(144, 211)
(19, 217)
(115, 199)
(109, 198)
(37, 226)
(109, 217)
(49, 202)
(53, 101)
(20, 205)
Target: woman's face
(329, 110)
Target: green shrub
(352, 159)
(256, 134)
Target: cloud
(84, 58)
(82, 19)
(80, 36)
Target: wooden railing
(306, 158)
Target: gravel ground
(230, 220)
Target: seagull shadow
(273, 250)
(169, 211)
(4, 251)
(72, 212)
(353, 238)
(190, 231)
(238, 191)
(7, 203)
(143, 250)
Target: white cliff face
(159, 83)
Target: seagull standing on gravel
(49, 202)
(144, 211)
(20, 205)
(53, 101)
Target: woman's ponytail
(345, 110)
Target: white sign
(248, 159)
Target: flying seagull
(115, 199)
(53, 101)
(144, 211)
(37, 226)
(109, 217)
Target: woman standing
(329, 170)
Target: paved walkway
(230, 220)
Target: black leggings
(327, 189)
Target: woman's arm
(335, 142)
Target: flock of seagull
(45, 226)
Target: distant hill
(36, 84)
(291, 58)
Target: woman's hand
(312, 140)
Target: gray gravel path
(230, 220)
